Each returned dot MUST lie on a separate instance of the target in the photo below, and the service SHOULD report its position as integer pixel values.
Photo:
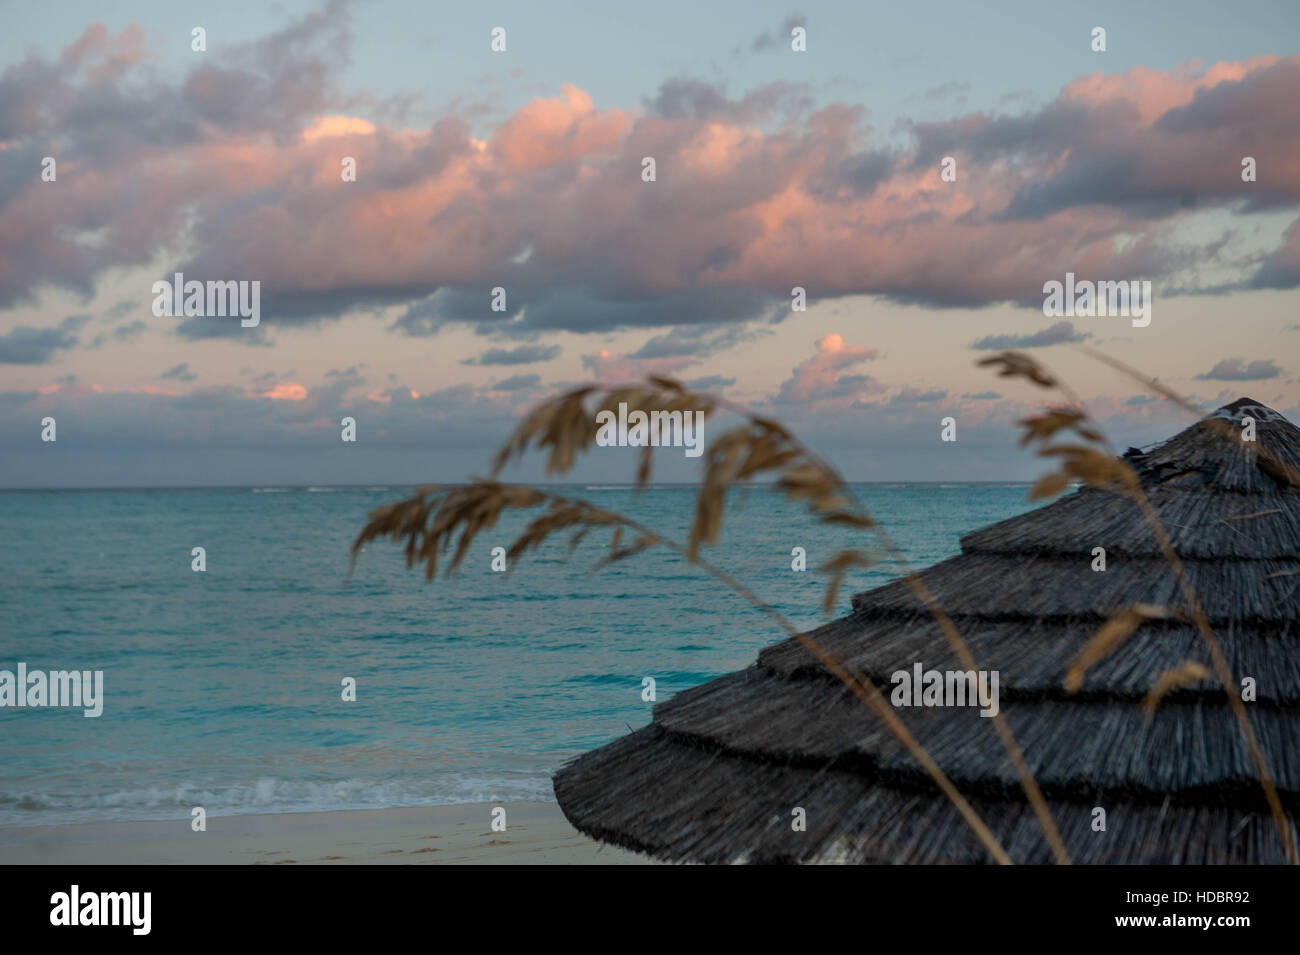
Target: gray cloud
(27, 345)
(684, 98)
(129, 332)
(122, 334)
(197, 329)
(697, 341)
(534, 306)
(1281, 268)
(517, 383)
(909, 397)
(709, 383)
(179, 372)
(1052, 335)
(519, 355)
(1234, 369)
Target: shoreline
(460, 834)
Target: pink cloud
(551, 204)
(1152, 93)
(824, 375)
(547, 131)
(287, 391)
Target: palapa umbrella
(722, 771)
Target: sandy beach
(537, 834)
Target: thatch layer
(1032, 655)
(1200, 525)
(1186, 752)
(1037, 586)
(717, 774)
(650, 793)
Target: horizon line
(368, 486)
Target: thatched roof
(715, 776)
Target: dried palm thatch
(1083, 656)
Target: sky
(127, 155)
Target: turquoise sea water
(222, 688)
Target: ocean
(223, 689)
